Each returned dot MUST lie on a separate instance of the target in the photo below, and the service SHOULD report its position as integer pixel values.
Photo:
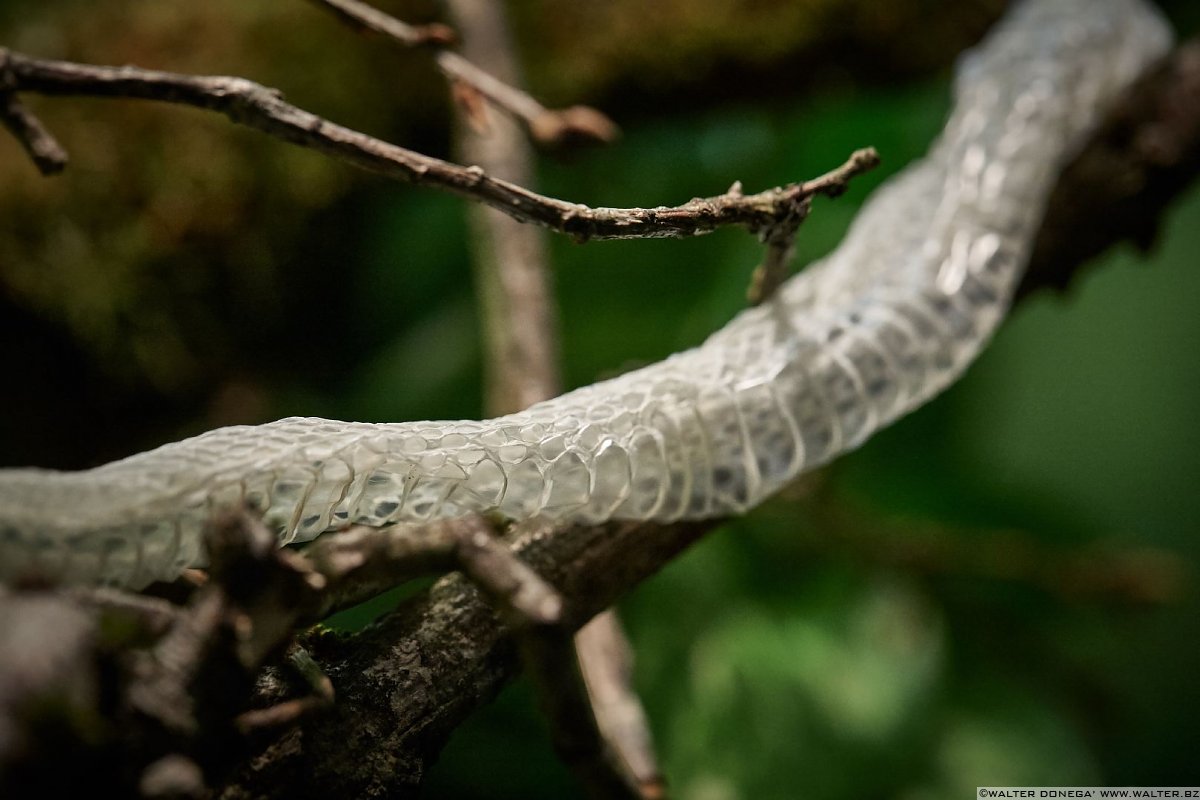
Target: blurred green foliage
(961, 602)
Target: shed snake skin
(854, 341)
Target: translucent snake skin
(894, 315)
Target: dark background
(997, 590)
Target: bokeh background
(997, 590)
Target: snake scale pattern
(854, 341)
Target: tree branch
(264, 109)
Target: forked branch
(545, 125)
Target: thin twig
(770, 275)
(545, 125)
(606, 660)
(550, 658)
(365, 17)
(584, 683)
(44, 150)
(262, 108)
(356, 564)
(359, 563)
(521, 595)
(511, 261)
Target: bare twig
(264, 109)
(356, 564)
(606, 659)
(521, 339)
(39, 143)
(780, 238)
(550, 657)
(770, 275)
(365, 17)
(359, 563)
(535, 612)
(545, 125)
(512, 276)
(522, 595)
